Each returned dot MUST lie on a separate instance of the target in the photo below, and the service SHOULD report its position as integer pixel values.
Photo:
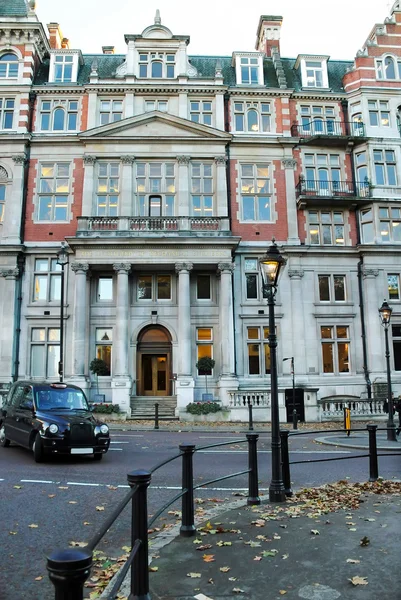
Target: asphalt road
(46, 506)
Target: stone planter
(110, 417)
(221, 415)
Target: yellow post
(347, 420)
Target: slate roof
(206, 66)
(13, 8)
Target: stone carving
(226, 267)
(89, 160)
(158, 20)
(3, 173)
(381, 30)
(121, 71)
(289, 163)
(296, 273)
(127, 160)
(185, 266)
(183, 160)
(221, 160)
(11, 273)
(218, 69)
(370, 273)
(94, 67)
(19, 159)
(77, 266)
(122, 267)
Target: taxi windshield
(60, 399)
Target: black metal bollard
(139, 531)
(373, 463)
(285, 462)
(187, 528)
(294, 419)
(253, 484)
(156, 415)
(68, 571)
(250, 409)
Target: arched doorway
(154, 362)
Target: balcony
(329, 132)
(347, 194)
(152, 226)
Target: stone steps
(143, 407)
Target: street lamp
(294, 410)
(62, 260)
(270, 266)
(385, 315)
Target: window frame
(332, 289)
(257, 196)
(108, 200)
(380, 67)
(9, 64)
(335, 340)
(380, 108)
(145, 66)
(393, 217)
(154, 287)
(52, 276)
(157, 105)
(101, 348)
(54, 195)
(396, 345)
(238, 57)
(263, 350)
(46, 343)
(151, 185)
(197, 287)
(64, 53)
(6, 111)
(57, 104)
(204, 343)
(318, 68)
(99, 298)
(241, 111)
(111, 112)
(326, 226)
(203, 114)
(202, 189)
(393, 283)
(385, 165)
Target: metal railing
(135, 225)
(70, 568)
(314, 187)
(328, 127)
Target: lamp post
(270, 266)
(385, 315)
(294, 410)
(62, 260)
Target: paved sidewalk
(359, 440)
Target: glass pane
(58, 119)
(343, 358)
(203, 287)
(368, 233)
(105, 288)
(163, 287)
(393, 287)
(326, 332)
(324, 288)
(266, 348)
(40, 288)
(264, 209)
(326, 232)
(38, 335)
(251, 264)
(253, 333)
(53, 358)
(145, 287)
(253, 120)
(37, 361)
(339, 288)
(251, 286)
(248, 208)
(328, 363)
(396, 232)
(157, 69)
(45, 206)
(385, 231)
(204, 350)
(342, 332)
(253, 359)
(41, 264)
(55, 288)
(204, 334)
(155, 206)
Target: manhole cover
(318, 592)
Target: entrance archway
(154, 362)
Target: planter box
(221, 415)
(110, 416)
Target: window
(396, 334)
(249, 70)
(356, 119)
(258, 350)
(368, 232)
(379, 115)
(390, 224)
(47, 280)
(54, 190)
(393, 285)
(251, 266)
(154, 287)
(204, 346)
(8, 66)
(314, 74)
(255, 193)
(156, 65)
(160, 105)
(254, 117)
(105, 289)
(201, 112)
(58, 115)
(335, 349)
(110, 111)
(155, 184)
(323, 174)
(203, 287)
(319, 119)
(108, 189)
(63, 66)
(385, 168)
(388, 68)
(7, 106)
(326, 228)
(331, 288)
(2, 201)
(202, 189)
(45, 352)
(104, 340)
(362, 180)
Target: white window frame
(112, 111)
(110, 205)
(202, 188)
(9, 64)
(380, 108)
(154, 56)
(46, 343)
(70, 107)
(323, 165)
(101, 343)
(158, 184)
(203, 114)
(251, 269)
(252, 190)
(54, 194)
(390, 223)
(242, 110)
(263, 352)
(321, 67)
(385, 163)
(201, 343)
(380, 67)
(255, 56)
(323, 225)
(393, 283)
(5, 110)
(76, 59)
(318, 119)
(51, 280)
(335, 340)
(154, 287)
(331, 286)
(152, 104)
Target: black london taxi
(51, 418)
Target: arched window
(157, 69)
(3, 181)
(389, 68)
(58, 119)
(8, 65)
(253, 124)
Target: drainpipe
(363, 328)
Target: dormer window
(64, 66)
(8, 66)
(248, 68)
(313, 71)
(388, 68)
(156, 65)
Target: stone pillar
(121, 380)
(183, 110)
(14, 201)
(183, 207)
(89, 183)
(126, 186)
(289, 165)
(7, 323)
(228, 379)
(219, 112)
(185, 382)
(373, 297)
(92, 110)
(297, 321)
(80, 321)
(129, 110)
(221, 209)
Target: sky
(337, 28)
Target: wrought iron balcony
(333, 132)
(311, 192)
(136, 226)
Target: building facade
(167, 176)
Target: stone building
(167, 176)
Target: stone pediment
(155, 125)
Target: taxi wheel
(98, 456)
(5, 442)
(37, 449)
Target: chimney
(268, 34)
(108, 49)
(56, 36)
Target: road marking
(213, 489)
(37, 481)
(119, 442)
(88, 484)
(115, 449)
(125, 435)
(269, 452)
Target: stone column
(297, 321)
(126, 186)
(183, 111)
(228, 380)
(89, 183)
(80, 320)
(8, 323)
(14, 201)
(373, 297)
(183, 207)
(289, 165)
(122, 321)
(221, 187)
(219, 112)
(92, 110)
(184, 324)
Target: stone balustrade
(133, 226)
(243, 399)
(334, 409)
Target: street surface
(48, 506)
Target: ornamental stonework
(296, 273)
(128, 160)
(185, 266)
(370, 273)
(20, 159)
(289, 163)
(183, 160)
(221, 160)
(226, 267)
(89, 160)
(12, 273)
(77, 266)
(122, 267)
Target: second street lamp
(270, 266)
(62, 260)
(385, 315)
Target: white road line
(125, 435)
(269, 452)
(115, 449)
(37, 481)
(155, 487)
(87, 484)
(119, 442)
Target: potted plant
(99, 367)
(205, 366)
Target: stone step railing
(359, 408)
(240, 399)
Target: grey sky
(337, 28)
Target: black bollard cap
(71, 559)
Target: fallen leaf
(285, 556)
(62, 487)
(365, 541)
(238, 591)
(126, 548)
(232, 579)
(269, 553)
(153, 569)
(39, 578)
(282, 592)
(12, 532)
(17, 487)
(225, 569)
(112, 487)
(204, 547)
(208, 558)
(197, 541)
(86, 523)
(315, 531)
(353, 561)
(257, 558)
(51, 496)
(193, 575)
(33, 526)
(79, 544)
(359, 580)
(99, 507)
(72, 502)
